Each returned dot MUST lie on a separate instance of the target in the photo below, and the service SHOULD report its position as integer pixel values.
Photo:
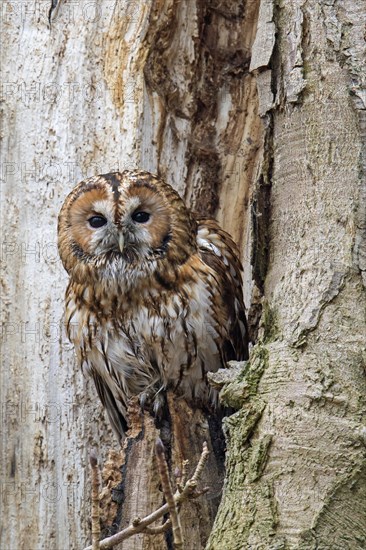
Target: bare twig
(201, 463)
(181, 475)
(142, 525)
(95, 500)
(157, 530)
(168, 493)
(184, 472)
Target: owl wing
(116, 418)
(220, 253)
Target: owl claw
(145, 399)
(158, 405)
(153, 402)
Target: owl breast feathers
(155, 293)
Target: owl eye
(97, 221)
(141, 217)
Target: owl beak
(121, 242)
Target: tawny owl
(155, 293)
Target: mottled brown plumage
(155, 293)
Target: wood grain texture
(109, 85)
(140, 492)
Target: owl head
(114, 224)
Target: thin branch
(181, 475)
(183, 481)
(140, 525)
(201, 463)
(168, 493)
(157, 530)
(95, 500)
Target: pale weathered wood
(140, 492)
(109, 85)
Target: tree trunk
(296, 467)
(254, 112)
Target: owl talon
(145, 400)
(153, 402)
(158, 405)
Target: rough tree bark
(296, 459)
(254, 111)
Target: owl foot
(153, 401)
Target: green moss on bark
(270, 323)
(245, 504)
(258, 458)
(236, 393)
